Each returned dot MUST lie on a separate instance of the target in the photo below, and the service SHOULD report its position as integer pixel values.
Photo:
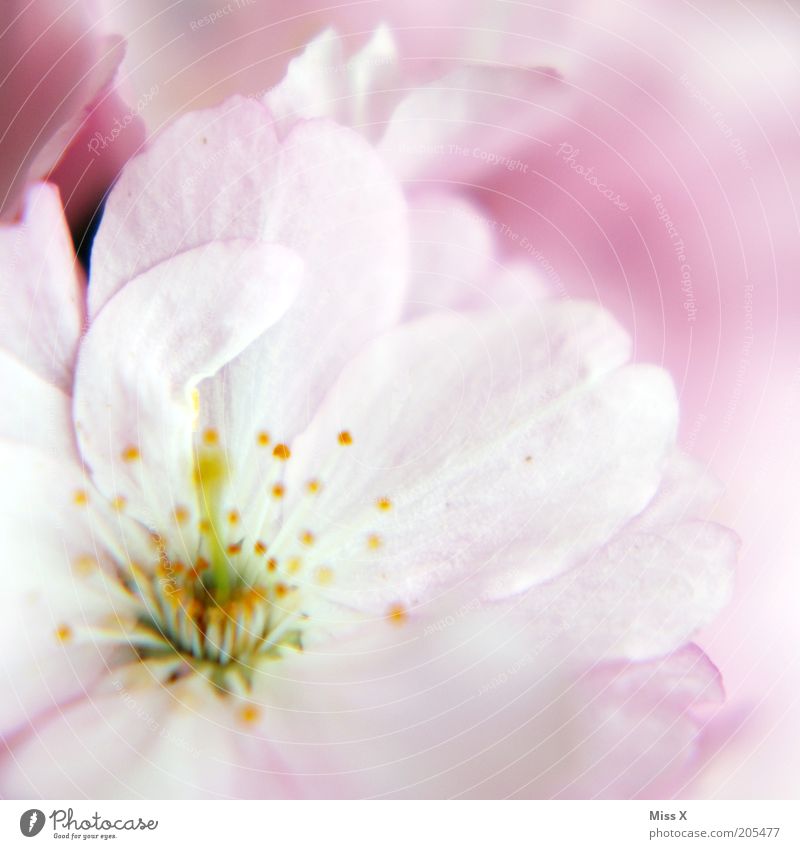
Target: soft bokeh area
(650, 162)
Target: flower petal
(53, 62)
(454, 261)
(644, 594)
(55, 536)
(41, 289)
(491, 438)
(471, 120)
(359, 92)
(223, 173)
(146, 351)
(35, 411)
(646, 726)
(425, 710)
(322, 191)
(467, 706)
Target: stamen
(210, 476)
(281, 452)
(397, 614)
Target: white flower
(266, 537)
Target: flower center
(209, 612)
(183, 614)
(231, 600)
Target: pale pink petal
(472, 121)
(87, 748)
(56, 534)
(646, 593)
(454, 260)
(35, 412)
(150, 347)
(687, 491)
(41, 289)
(55, 60)
(322, 191)
(645, 724)
(475, 706)
(223, 173)
(360, 91)
(132, 737)
(453, 129)
(464, 709)
(490, 436)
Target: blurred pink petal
(397, 713)
(454, 263)
(56, 59)
(110, 134)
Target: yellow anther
(249, 714)
(281, 451)
(195, 407)
(63, 633)
(345, 437)
(85, 565)
(324, 575)
(397, 614)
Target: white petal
(641, 727)
(473, 119)
(359, 92)
(496, 439)
(468, 707)
(35, 411)
(644, 594)
(223, 173)
(173, 326)
(454, 262)
(55, 534)
(41, 289)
